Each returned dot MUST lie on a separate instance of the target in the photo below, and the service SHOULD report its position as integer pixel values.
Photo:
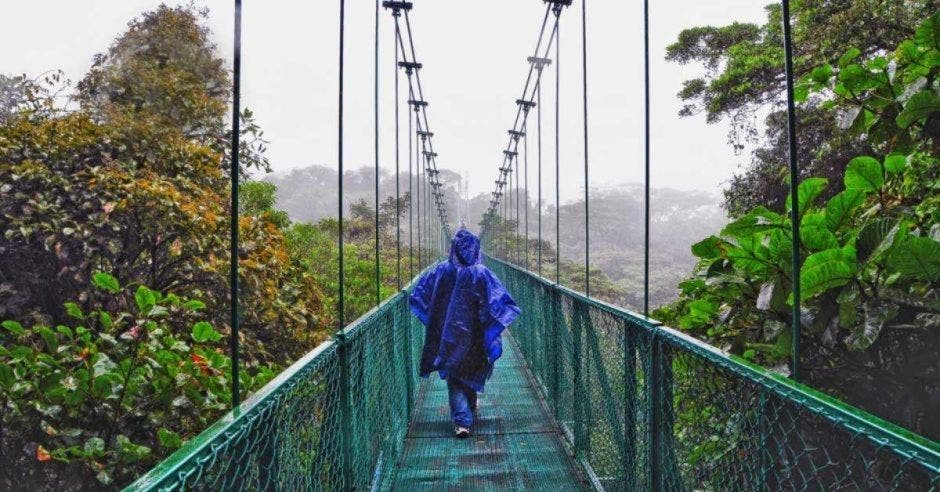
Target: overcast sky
(474, 57)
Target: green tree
(744, 73)
(871, 251)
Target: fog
(474, 61)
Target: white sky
(474, 58)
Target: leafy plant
(870, 252)
(109, 392)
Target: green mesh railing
(642, 406)
(334, 420)
(645, 407)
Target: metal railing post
(409, 363)
(579, 396)
(345, 411)
(654, 397)
(629, 403)
(557, 313)
(662, 456)
(761, 479)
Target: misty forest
(114, 252)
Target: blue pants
(463, 402)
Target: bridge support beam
(345, 414)
(660, 395)
(631, 397)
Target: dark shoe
(462, 432)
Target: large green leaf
(877, 313)
(750, 255)
(895, 163)
(827, 269)
(918, 257)
(203, 332)
(708, 248)
(849, 57)
(815, 234)
(700, 313)
(928, 33)
(146, 299)
(822, 73)
(758, 220)
(918, 107)
(848, 306)
(807, 192)
(864, 173)
(840, 208)
(875, 238)
(15, 327)
(106, 282)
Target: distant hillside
(679, 219)
(309, 194)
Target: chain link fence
(645, 407)
(334, 420)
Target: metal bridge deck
(515, 442)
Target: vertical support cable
(427, 208)
(342, 263)
(587, 222)
(418, 186)
(411, 192)
(233, 232)
(378, 279)
(557, 148)
(646, 158)
(397, 165)
(509, 234)
(342, 354)
(794, 191)
(538, 108)
(518, 244)
(525, 160)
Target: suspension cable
(587, 222)
(794, 191)
(646, 158)
(416, 99)
(378, 276)
(525, 102)
(538, 106)
(397, 169)
(557, 148)
(420, 94)
(235, 170)
(411, 193)
(342, 264)
(516, 237)
(525, 153)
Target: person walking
(464, 308)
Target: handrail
(231, 422)
(877, 431)
(170, 472)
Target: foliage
(870, 252)
(108, 390)
(134, 183)
(166, 68)
(743, 78)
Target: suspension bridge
(588, 395)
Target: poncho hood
(465, 249)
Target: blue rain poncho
(465, 309)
